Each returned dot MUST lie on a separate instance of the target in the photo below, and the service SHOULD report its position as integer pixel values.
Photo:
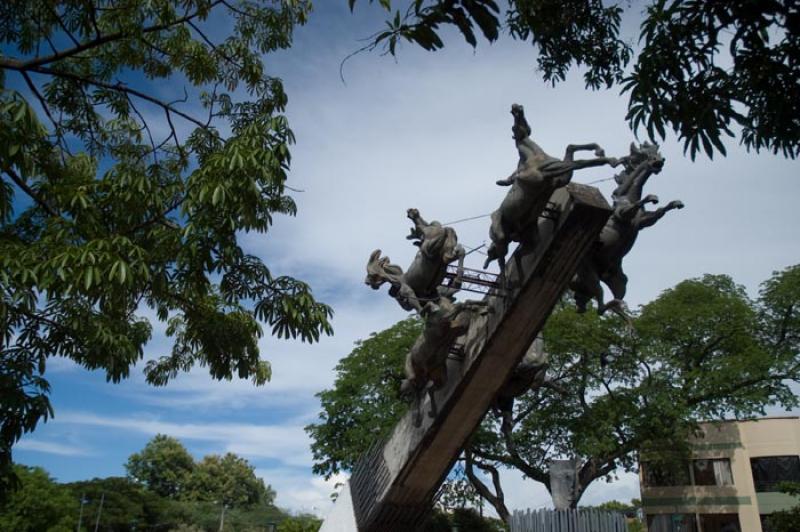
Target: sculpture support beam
(394, 484)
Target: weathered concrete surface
(394, 484)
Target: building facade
(729, 484)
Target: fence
(588, 520)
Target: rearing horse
(604, 261)
(537, 176)
(420, 284)
(426, 362)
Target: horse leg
(590, 163)
(647, 219)
(407, 294)
(418, 408)
(581, 299)
(618, 307)
(586, 286)
(455, 282)
(559, 173)
(499, 247)
(617, 282)
(434, 408)
(572, 148)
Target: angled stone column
(393, 485)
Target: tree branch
(119, 87)
(45, 108)
(791, 374)
(514, 459)
(495, 499)
(79, 47)
(15, 177)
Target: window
(720, 523)
(666, 474)
(712, 472)
(769, 471)
(671, 523)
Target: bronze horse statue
(537, 176)
(420, 283)
(604, 262)
(531, 372)
(426, 362)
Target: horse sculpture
(537, 176)
(530, 372)
(426, 363)
(420, 284)
(604, 261)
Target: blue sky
(431, 131)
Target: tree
(786, 520)
(702, 350)
(300, 523)
(198, 515)
(164, 467)
(125, 505)
(705, 69)
(228, 480)
(121, 191)
(364, 403)
(39, 504)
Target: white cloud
(49, 447)
(286, 443)
(301, 492)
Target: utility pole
(80, 515)
(99, 511)
(222, 517)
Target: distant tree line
(165, 489)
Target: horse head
(380, 270)
(645, 154)
(643, 161)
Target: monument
(569, 237)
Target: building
(730, 482)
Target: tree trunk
(497, 499)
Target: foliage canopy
(41, 504)
(138, 140)
(166, 468)
(704, 69)
(702, 350)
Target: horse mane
(381, 267)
